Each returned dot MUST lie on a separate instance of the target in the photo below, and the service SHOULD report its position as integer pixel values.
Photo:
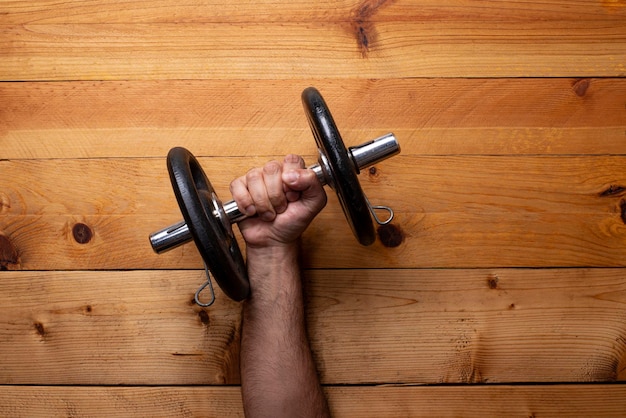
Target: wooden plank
(163, 11)
(294, 50)
(478, 401)
(568, 401)
(469, 325)
(473, 185)
(116, 328)
(441, 240)
(366, 326)
(50, 401)
(257, 118)
(466, 211)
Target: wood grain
(454, 240)
(470, 326)
(257, 118)
(468, 211)
(319, 49)
(116, 328)
(366, 326)
(473, 185)
(478, 301)
(569, 401)
(163, 11)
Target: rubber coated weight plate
(198, 203)
(343, 170)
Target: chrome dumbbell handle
(363, 156)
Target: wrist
(274, 273)
(268, 258)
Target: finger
(272, 176)
(255, 181)
(301, 179)
(305, 182)
(292, 162)
(241, 195)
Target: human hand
(285, 197)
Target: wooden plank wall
(499, 290)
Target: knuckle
(234, 185)
(271, 167)
(294, 159)
(253, 175)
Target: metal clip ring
(374, 208)
(210, 286)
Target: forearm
(277, 370)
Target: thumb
(301, 180)
(303, 184)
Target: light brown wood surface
(535, 116)
(368, 39)
(409, 326)
(499, 290)
(452, 211)
(317, 49)
(391, 401)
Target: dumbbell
(208, 222)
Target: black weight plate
(216, 244)
(344, 171)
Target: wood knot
(622, 207)
(373, 174)
(492, 282)
(368, 8)
(82, 233)
(8, 253)
(362, 25)
(390, 236)
(612, 190)
(580, 86)
(5, 203)
(204, 317)
(365, 34)
(40, 329)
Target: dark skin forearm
(278, 377)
